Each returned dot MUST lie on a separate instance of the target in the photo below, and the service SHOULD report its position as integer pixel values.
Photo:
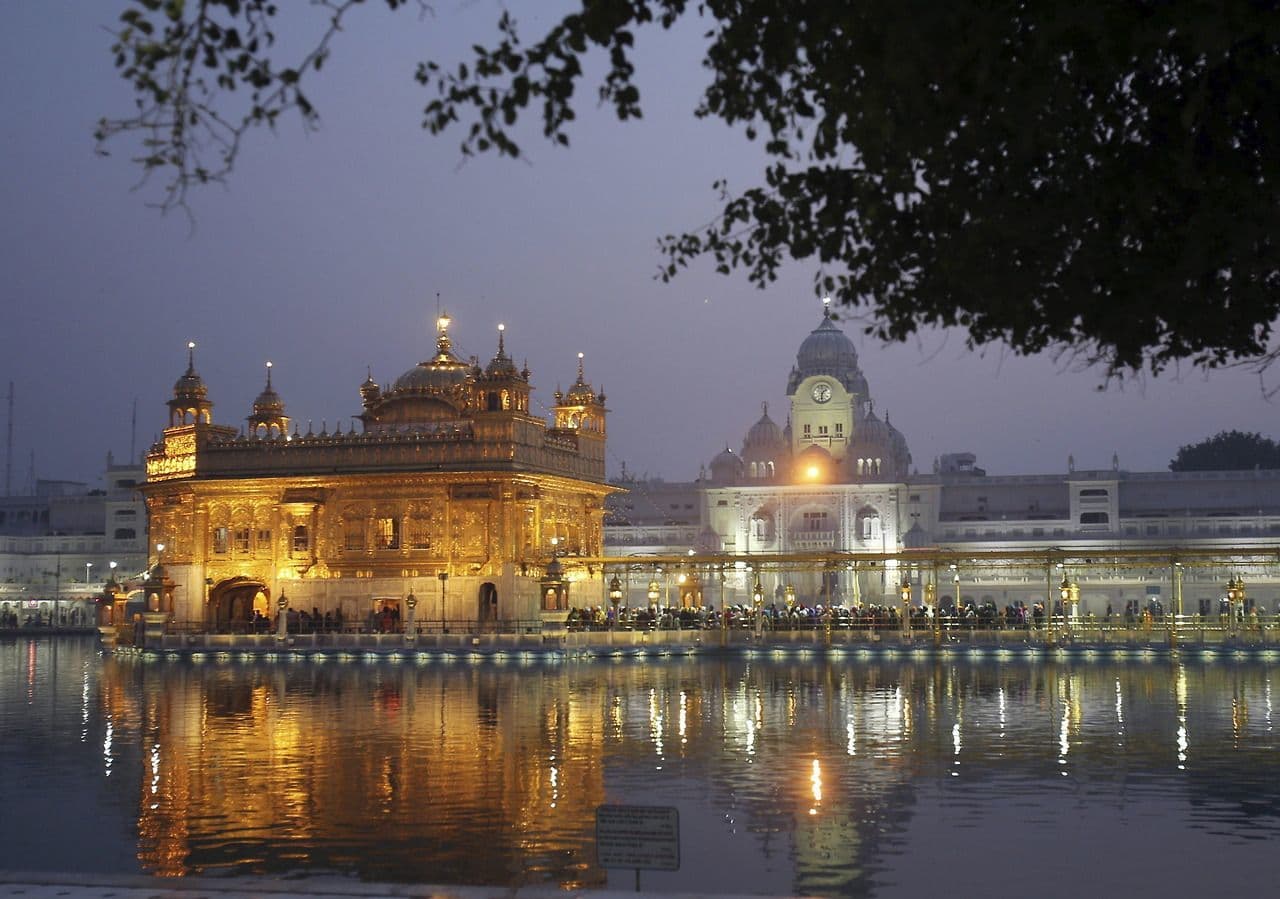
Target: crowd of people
(868, 616)
(64, 618)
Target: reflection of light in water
(815, 781)
(851, 733)
(1064, 742)
(31, 672)
(1001, 697)
(1180, 691)
(751, 737)
(1119, 709)
(106, 748)
(655, 722)
(684, 716)
(155, 772)
(555, 784)
(615, 716)
(902, 708)
(955, 746)
(1267, 693)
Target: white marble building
(835, 479)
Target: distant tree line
(1228, 451)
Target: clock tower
(827, 390)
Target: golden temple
(451, 496)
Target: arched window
(868, 523)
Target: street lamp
(906, 603)
(1235, 594)
(615, 596)
(757, 602)
(444, 579)
(87, 566)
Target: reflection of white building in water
(831, 478)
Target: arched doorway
(237, 604)
(488, 605)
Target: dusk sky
(324, 253)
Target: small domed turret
(190, 403)
(267, 418)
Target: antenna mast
(8, 450)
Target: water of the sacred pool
(790, 774)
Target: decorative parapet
(444, 445)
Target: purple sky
(325, 252)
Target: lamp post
(906, 603)
(615, 597)
(444, 579)
(1235, 594)
(87, 566)
(757, 603)
(411, 625)
(1064, 592)
(931, 603)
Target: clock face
(821, 392)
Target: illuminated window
(264, 539)
(301, 539)
(388, 533)
(220, 541)
(241, 538)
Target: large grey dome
(828, 351)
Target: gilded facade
(450, 491)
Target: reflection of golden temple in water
(492, 774)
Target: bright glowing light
(501, 326)
(191, 344)
(443, 322)
(813, 471)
